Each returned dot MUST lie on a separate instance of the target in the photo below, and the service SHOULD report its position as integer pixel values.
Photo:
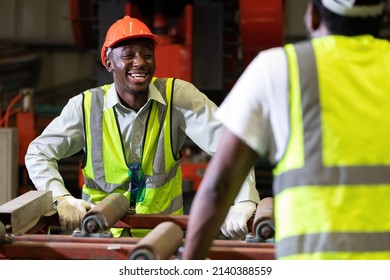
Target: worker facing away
(131, 133)
(320, 110)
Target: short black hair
(350, 26)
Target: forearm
(224, 176)
(206, 217)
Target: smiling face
(132, 64)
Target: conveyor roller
(160, 244)
(263, 227)
(103, 216)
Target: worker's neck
(134, 101)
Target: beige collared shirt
(192, 116)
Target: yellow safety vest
(106, 169)
(332, 186)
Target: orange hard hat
(123, 29)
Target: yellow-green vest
(105, 166)
(332, 186)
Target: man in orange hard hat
(131, 133)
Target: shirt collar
(113, 98)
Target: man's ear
(316, 18)
(108, 64)
(312, 18)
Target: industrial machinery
(27, 226)
(263, 227)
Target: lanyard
(138, 182)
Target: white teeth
(138, 76)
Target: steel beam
(24, 211)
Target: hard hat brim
(153, 37)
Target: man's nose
(138, 60)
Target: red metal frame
(36, 244)
(55, 247)
(26, 124)
(261, 26)
(82, 15)
(193, 172)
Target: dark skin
(315, 26)
(220, 185)
(132, 64)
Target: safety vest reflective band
(332, 185)
(105, 168)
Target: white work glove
(235, 224)
(71, 211)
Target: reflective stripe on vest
(330, 204)
(106, 170)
